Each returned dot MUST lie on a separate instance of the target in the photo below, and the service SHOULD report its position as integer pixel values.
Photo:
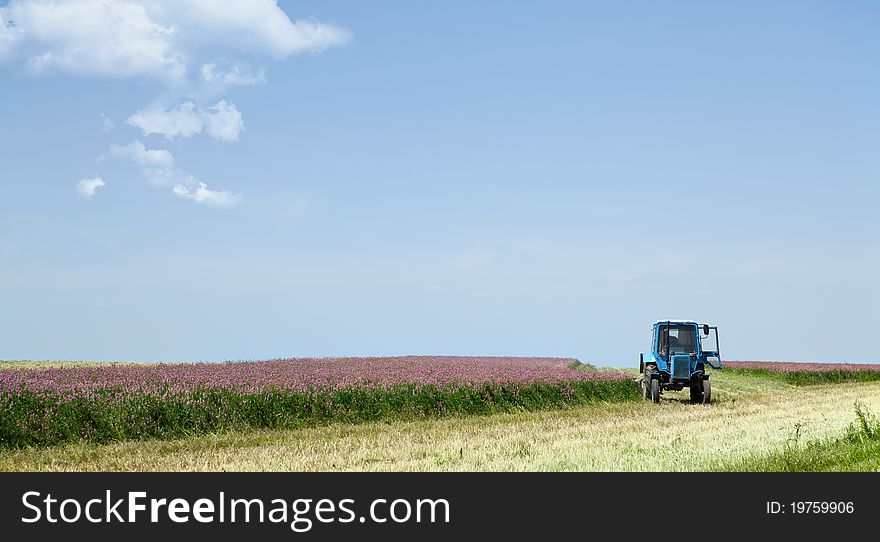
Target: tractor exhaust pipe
(668, 323)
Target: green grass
(810, 378)
(857, 449)
(28, 419)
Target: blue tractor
(680, 352)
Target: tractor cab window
(682, 339)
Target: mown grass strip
(31, 419)
(811, 378)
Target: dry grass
(752, 416)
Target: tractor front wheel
(707, 392)
(696, 391)
(655, 390)
(645, 384)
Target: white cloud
(222, 121)
(142, 156)
(115, 38)
(8, 34)
(167, 176)
(259, 26)
(197, 48)
(202, 194)
(152, 38)
(180, 121)
(234, 76)
(157, 167)
(106, 123)
(88, 187)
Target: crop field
(54, 405)
(432, 413)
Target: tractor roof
(675, 321)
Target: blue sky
(200, 180)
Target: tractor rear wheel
(707, 392)
(655, 390)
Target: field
(764, 417)
(101, 404)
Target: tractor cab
(680, 352)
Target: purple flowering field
(299, 374)
(104, 403)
